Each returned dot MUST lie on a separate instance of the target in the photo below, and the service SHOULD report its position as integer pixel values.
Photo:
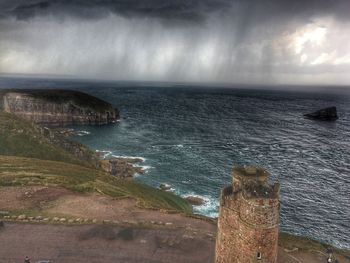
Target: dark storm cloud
(294, 41)
(187, 10)
(176, 9)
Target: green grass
(21, 138)
(61, 96)
(29, 158)
(18, 171)
(290, 242)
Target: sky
(212, 41)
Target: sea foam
(130, 157)
(104, 153)
(209, 208)
(82, 133)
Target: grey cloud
(178, 40)
(191, 10)
(187, 10)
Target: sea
(190, 136)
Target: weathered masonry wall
(1, 103)
(248, 223)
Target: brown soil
(96, 244)
(186, 240)
(114, 244)
(29, 197)
(102, 207)
(57, 201)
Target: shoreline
(69, 206)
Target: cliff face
(21, 138)
(78, 150)
(58, 107)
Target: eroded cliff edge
(57, 107)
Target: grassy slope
(20, 138)
(18, 171)
(46, 164)
(289, 241)
(62, 96)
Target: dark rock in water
(326, 114)
(194, 200)
(165, 187)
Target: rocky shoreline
(121, 167)
(90, 208)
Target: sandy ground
(183, 239)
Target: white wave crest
(104, 153)
(82, 133)
(145, 168)
(209, 208)
(130, 157)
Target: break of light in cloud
(221, 48)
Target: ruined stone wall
(1, 103)
(246, 227)
(259, 212)
(228, 224)
(44, 112)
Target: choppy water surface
(191, 137)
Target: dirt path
(29, 197)
(125, 210)
(57, 201)
(115, 244)
(131, 234)
(101, 243)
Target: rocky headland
(326, 114)
(57, 107)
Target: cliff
(57, 107)
(31, 155)
(22, 138)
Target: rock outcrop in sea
(326, 114)
(195, 200)
(120, 167)
(165, 187)
(58, 107)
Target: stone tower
(248, 218)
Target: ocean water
(191, 137)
